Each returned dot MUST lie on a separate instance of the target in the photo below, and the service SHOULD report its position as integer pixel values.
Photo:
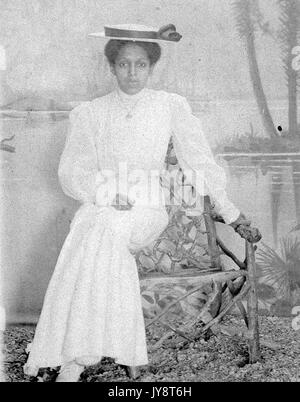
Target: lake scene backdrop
(238, 77)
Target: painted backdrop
(236, 64)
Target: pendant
(129, 116)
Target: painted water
(267, 187)
(36, 214)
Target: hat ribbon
(166, 32)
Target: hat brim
(103, 36)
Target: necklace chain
(129, 114)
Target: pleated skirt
(92, 307)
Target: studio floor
(219, 359)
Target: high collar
(126, 98)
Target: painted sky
(49, 53)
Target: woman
(92, 307)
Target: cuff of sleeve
(226, 208)
(229, 214)
(105, 189)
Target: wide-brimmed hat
(142, 33)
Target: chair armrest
(248, 233)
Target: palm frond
(242, 13)
(280, 271)
(290, 249)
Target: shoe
(69, 372)
(132, 372)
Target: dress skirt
(92, 307)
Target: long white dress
(92, 306)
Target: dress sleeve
(78, 170)
(194, 154)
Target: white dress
(92, 306)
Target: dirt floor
(219, 359)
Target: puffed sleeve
(194, 154)
(78, 171)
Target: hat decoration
(168, 32)
(140, 33)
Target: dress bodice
(141, 140)
(120, 132)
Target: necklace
(129, 114)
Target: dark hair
(113, 47)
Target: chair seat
(205, 277)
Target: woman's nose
(132, 70)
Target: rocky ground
(219, 359)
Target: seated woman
(116, 146)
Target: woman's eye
(143, 65)
(122, 64)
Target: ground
(219, 359)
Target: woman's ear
(112, 69)
(151, 69)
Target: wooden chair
(229, 287)
(237, 283)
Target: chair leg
(213, 248)
(252, 307)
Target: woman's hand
(242, 226)
(241, 220)
(122, 203)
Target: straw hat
(139, 33)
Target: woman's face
(132, 68)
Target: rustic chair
(229, 287)
(238, 282)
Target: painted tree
(289, 36)
(245, 12)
